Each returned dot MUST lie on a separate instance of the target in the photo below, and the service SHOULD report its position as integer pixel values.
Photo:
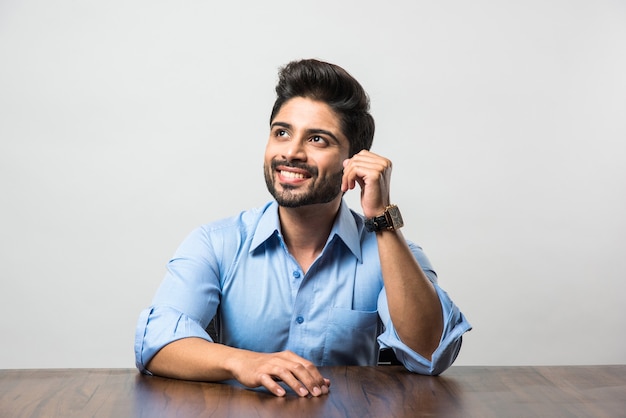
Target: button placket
(297, 275)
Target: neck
(306, 229)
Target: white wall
(125, 124)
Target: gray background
(126, 124)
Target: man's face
(304, 154)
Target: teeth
(292, 175)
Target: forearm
(414, 306)
(198, 359)
(193, 359)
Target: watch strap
(391, 219)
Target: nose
(294, 150)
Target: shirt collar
(345, 227)
(267, 226)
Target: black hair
(331, 84)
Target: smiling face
(304, 154)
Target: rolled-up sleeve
(185, 302)
(159, 326)
(455, 325)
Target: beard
(320, 190)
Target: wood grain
(384, 391)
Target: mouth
(292, 176)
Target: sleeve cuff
(159, 326)
(455, 325)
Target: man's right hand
(267, 369)
(198, 359)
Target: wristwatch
(390, 220)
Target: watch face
(396, 217)
(390, 220)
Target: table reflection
(383, 391)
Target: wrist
(389, 219)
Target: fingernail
(280, 392)
(325, 389)
(303, 391)
(317, 391)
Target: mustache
(294, 164)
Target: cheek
(270, 152)
(273, 149)
(337, 165)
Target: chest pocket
(351, 337)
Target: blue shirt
(335, 314)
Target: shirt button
(296, 274)
(299, 320)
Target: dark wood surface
(383, 391)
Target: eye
(281, 133)
(318, 140)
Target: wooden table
(383, 391)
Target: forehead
(305, 113)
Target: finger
(305, 373)
(295, 384)
(367, 167)
(351, 176)
(270, 384)
(370, 166)
(311, 378)
(346, 184)
(362, 175)
(372, 160)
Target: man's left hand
(373, 173)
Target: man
(303, 281)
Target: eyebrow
(308, 131)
